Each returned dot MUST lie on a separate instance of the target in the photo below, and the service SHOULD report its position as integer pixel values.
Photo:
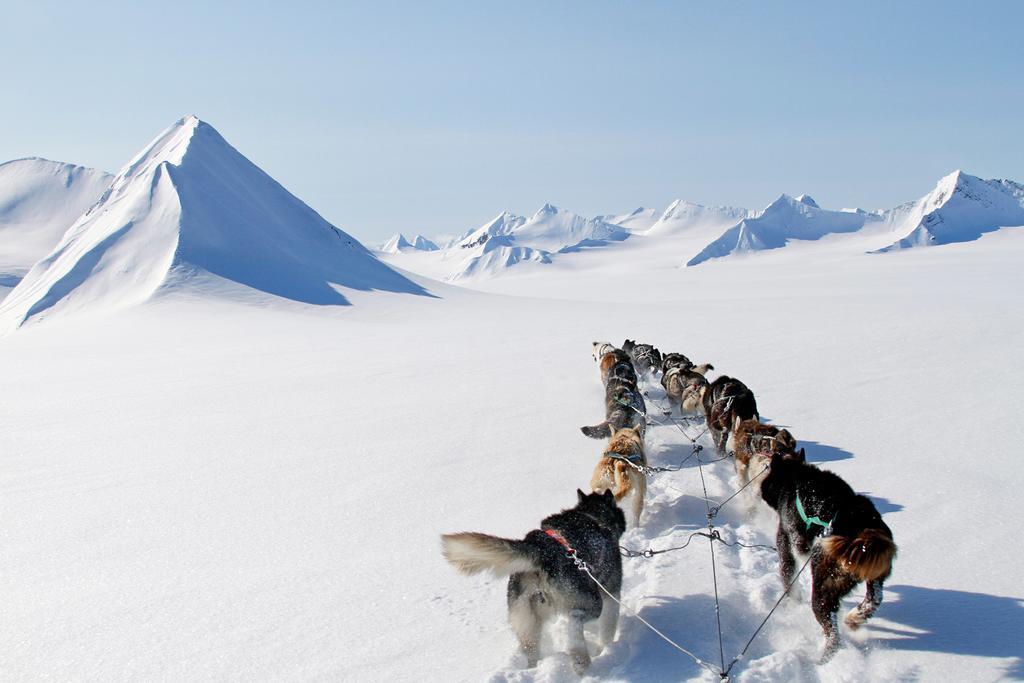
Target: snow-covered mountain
(39, 200)
(190, 209)
(961, 208)
(398, 243)
(787, 218)
(638, 220)
(683, 216)
(554, 229)
(507, 240)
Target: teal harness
(811, 521)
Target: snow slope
(188, 207)
(960, 209)
(39, 200)
(202, 489)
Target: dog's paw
(580, 661)
(855, 619)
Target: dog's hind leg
(787, 563)
(829, 584)
(577, 643)
(525, 601)
(868, 606)
(608, 622)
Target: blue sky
(433, 117)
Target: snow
(186, 208)
(224, 481)
(39, 200)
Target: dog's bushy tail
(601, 431)
(472, 553)
(703, 368)
(867, 557)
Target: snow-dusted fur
(544, 582)
(627, 483)
(858, 545)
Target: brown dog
(615, 471)
(754, 444)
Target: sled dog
(855, 544)
(543, 580)
(754, 444)
(685, 388)
(724, 400)
(615, 472)
(645, 357)
(624, 407)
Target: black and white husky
(543, 580)
(855, 544)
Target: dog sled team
(571, 565)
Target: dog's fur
(646, 358)
(544, 582)
(624, 480)
(684, 386)
(724, 400)
(859, 548)
(754, 444)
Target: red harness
(560, 538)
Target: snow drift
(960, 209)
(188, 207)
(39, 200)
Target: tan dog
(615, 473)
(754, 444)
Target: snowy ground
(207, 489)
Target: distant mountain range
(191, 210)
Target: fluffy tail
(472, 553)
(601, 431)
(703, 369)
(867, 557)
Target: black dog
(674, 360)
(645, 357)
(856, 545)
(724, 400)
(544, 581)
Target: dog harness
(560, 539)
(811, 521)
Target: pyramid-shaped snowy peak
(191, 211)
